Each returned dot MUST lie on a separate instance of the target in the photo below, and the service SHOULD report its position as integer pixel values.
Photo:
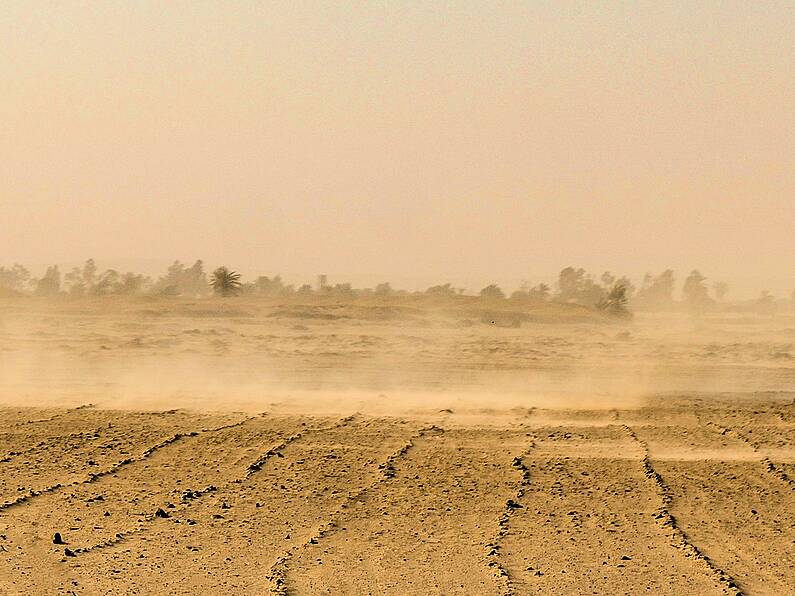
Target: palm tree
(615, 302)
(225, 282)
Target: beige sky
(465, 140)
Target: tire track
(511, 505)
(277, 574)
(666, 519)
(192, 497)
(95, 476)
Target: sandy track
(654, 499)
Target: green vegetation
(225, 282)
(607, 293)
(614, 303)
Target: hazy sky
(405, 140)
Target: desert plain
(240, 446)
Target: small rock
(162, 513)
(57, 539)
(69, 553)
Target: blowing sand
(201, 448)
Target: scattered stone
(57, 539)
(69, 553)
(162, 513)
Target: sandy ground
(187, 449)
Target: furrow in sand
(227, 540)
(277, 576)
(256, 465)
(26, 437)
(112, 469)
(72, 449)
(666, 519)
(193, 496)
(586, 522)
(771, 467)
(511, 506)
(726, 503)
(422, 530)
(778, 471)
(92, 510)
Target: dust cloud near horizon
(378, 358)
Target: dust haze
(397, 298)
(340, 350)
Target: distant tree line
(607, 292)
